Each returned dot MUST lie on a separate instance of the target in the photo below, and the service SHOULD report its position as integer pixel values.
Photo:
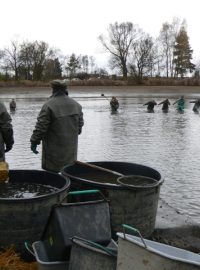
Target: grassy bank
(109, 82)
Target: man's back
(59, 123)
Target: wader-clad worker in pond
(196, 105)
(150, 105)
(165, 105)
(180, 104)
(6, 132)
(114, 103)
(58, 125)
(12, 105)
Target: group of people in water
(166, 103)
(180, 103)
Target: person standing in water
(58, 126)
(114, 103)
(196, 105)
(180, 104)
(12, 105)
(150, 105)
(165, 105)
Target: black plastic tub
(134, 206)
(23, 220)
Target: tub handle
(79, 192)
(83, 192)
(95, 245)
(29, 248)
(125, 226)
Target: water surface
(168, 142)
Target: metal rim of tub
(108, 185)
(40, 197)
(138, 182)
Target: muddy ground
(176, 229)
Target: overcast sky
(73, 26)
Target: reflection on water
(24, 190)
(168, 142)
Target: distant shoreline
(95, 92)
(99, 89)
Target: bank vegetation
(135, 58)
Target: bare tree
(92, 63)
(11, 56)
(142, 57)
(167, 39)
(85, 63)
(120, 39)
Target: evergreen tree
(52, 69)
(73, 65)
(182, 54)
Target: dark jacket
(58, 125)
(165, 104)
(6, 131)
(150, 105)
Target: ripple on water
(168, 142)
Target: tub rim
(40, 197)
(109, 185)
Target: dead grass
(10, 260)
(109, 82)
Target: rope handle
(95, 245)
(125, 226)
(29, 248)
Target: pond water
(24, 190)
(168, 142)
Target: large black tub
(24, 219)
(133, 205)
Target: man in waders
(196, 105)
(180, 104)
(114, 103)
(165, 105)
(150, 105)
(58, 125)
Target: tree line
(37, 61)
(133, 53)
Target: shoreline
(176, 229)
(117, 89)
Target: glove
(8, 147)
(34, 148)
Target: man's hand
(8, 147)
(34, 148)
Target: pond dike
(176, 229)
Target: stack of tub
(133, 200)
(77, 235)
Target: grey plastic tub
(90, 220)
(87, 219)
(131, 204)
(43, 260)
(87, 255)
